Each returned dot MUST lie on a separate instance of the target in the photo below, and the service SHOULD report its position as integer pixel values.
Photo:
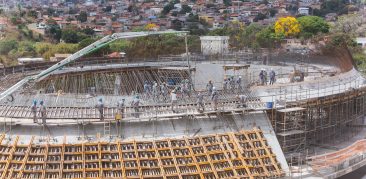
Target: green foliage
(85, 42)
(273, 12)
(167, 8)
(266, 37)
(50, 11)
(332, 6)
(312, 25)
(72, 36)
(185, 9)
(119, 46)
(83, 16)
(192, 18)
(227, 2)
(32, 14)
(48, 50)
(54, 32)
(153, 46)
(7, 45)
(14, 20)
(258, 17)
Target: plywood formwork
(244, 154)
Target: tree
(69, 36)
(273, 12)
(107, 9)
(50, 11)
(32, 14)
(53, 30)
(185, 9)
(176, 25)
(312, 25)
(227, 2)
(260, 16)
(7, 45)
(151, 27)
(288, 26)
(85, 42)
(83, 16)
(72, 36)
(167, 8)
(88, 31)
(267, 38)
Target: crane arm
(96, 45)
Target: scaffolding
(321, 121)
(243, 154)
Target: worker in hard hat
(164, 91)
(225, 84)
(135, 104)
(261, 76)
(121, 106)
(155, 91)
(146, 89)
(272, 76)
(34, 111)
(174, 101)
(43, 112)
(242, 101)
(265, 75)
(100, 107)
(200, 104)
(209, 87)
(214, 98)
(232, 84)
(238, 83)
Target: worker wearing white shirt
(173, 96)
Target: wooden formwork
(244, 154)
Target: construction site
(108, 118)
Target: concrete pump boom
(90, 48)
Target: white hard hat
(213, 88)
(239, 76)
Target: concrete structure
(212, 45)
(361, 41)
(304, 11)
(281, 126)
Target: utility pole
(186, 43)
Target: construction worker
(100, 107)
(209, 87)
(214, 98)
(135, 104)
(265, 76)
(261, 76)
(164, 91)
(242, 101)
(232, 84)
(272, 77)
(34, 111)
(174, 100)
(155, 91)
(238, 83)
(146, 89)
(43, 112)
(200, 104)
(225, 84)
(117, 85)
(121, 106)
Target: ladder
(107, 128)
